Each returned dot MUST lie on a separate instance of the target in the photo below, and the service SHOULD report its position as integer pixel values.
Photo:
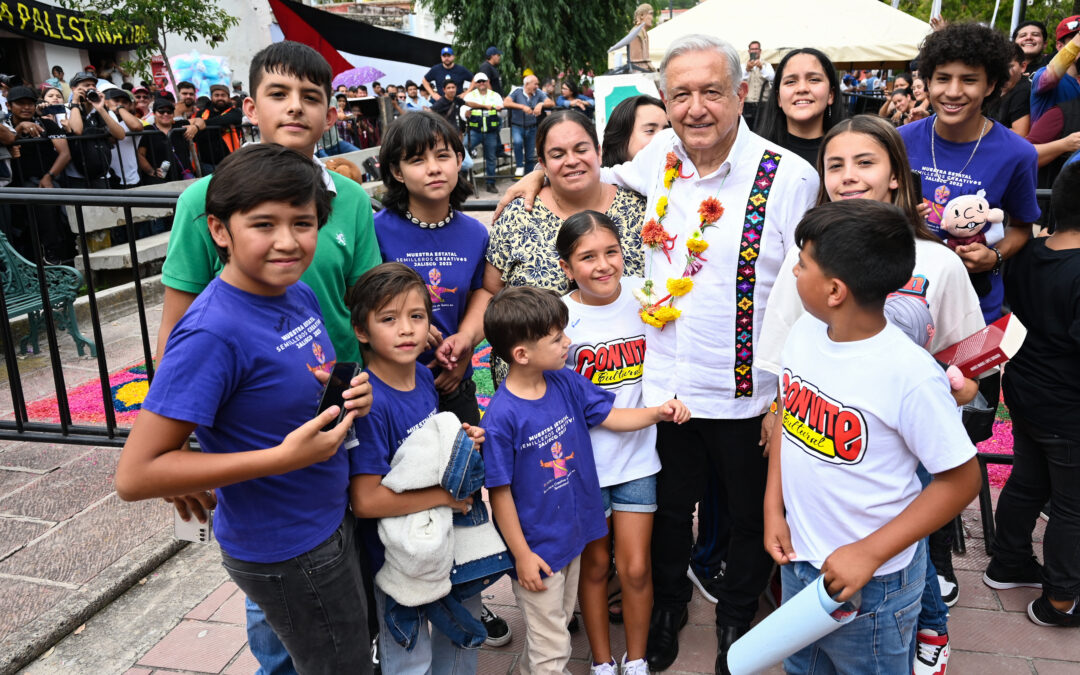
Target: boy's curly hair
(971, 44)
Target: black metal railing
(66, 431)
(92, 152)
(21, 427)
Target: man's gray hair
(703, 43)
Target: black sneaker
(1028, 576)
(1043, 613)
(705, 586)
(497, 629)
(950, 590)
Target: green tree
(1049, 12)
(548, 36)
(192, 20)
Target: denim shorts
(638, 496)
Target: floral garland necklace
(659, 312)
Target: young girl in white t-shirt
(607, 346)
(863, 157)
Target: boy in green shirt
(290, 103)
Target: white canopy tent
(853, 33)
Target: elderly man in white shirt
(724, 204)
(742, 196)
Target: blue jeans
(339, 148)
(934, 614)
(524, 139)
(433, 651)
(490, 139)
(881, 639)
(314, 603)
(265, 646)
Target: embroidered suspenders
(749, 246)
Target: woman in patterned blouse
(521, 251)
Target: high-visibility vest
(228, 134)
(483, 120)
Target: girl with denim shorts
(608, 348)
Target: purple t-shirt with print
(541, 449)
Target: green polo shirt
(345, 250)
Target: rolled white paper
(807, 617)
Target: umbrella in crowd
(355, 77)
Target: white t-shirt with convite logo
(607, 347)
(858, 418)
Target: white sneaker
(637, 667)
(610, 668)
(519, 172)
(931, 653)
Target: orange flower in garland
(710, 211)
(659, 312)
(656, 237)
(672, 167)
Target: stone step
(119, 257)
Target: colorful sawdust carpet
(128, 388)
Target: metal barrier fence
(22, 428)
(92, 153)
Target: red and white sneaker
(931, 653)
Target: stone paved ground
(188, 618)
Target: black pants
(461, 402)
(315, 603)
(1045, 465)
(729, 450)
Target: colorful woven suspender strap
(749, 247)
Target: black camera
(93, 96)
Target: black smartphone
(54, 110)
(340, 377)
(916, 186)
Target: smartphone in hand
(340, 377)
(193, 530)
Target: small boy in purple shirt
(541, 476)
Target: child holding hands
(541, 475)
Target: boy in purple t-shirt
(541, 476)
(242, 371)
(959, 151)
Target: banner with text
(69, 28)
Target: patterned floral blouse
(522, 244)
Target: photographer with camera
(38, 163)
(124, 165)
(91, 129)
